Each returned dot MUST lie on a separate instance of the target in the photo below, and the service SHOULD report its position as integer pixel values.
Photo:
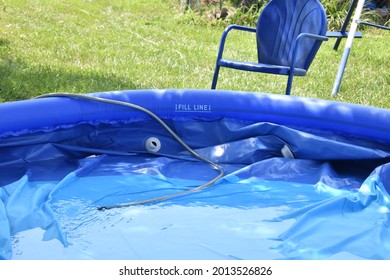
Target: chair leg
(289, 84)
(215, 78)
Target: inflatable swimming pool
(193, 174)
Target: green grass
(88, 46)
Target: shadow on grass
(20, 80)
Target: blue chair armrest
(295, 51)
(299, 39)
(239, 27)
(226, 32)
(312, 36)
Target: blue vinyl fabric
(331, 201)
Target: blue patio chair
(289, 34)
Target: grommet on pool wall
(153, 145)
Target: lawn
(88, 46)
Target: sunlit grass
(89, 46)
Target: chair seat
(260, 67)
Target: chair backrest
(279, 24)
